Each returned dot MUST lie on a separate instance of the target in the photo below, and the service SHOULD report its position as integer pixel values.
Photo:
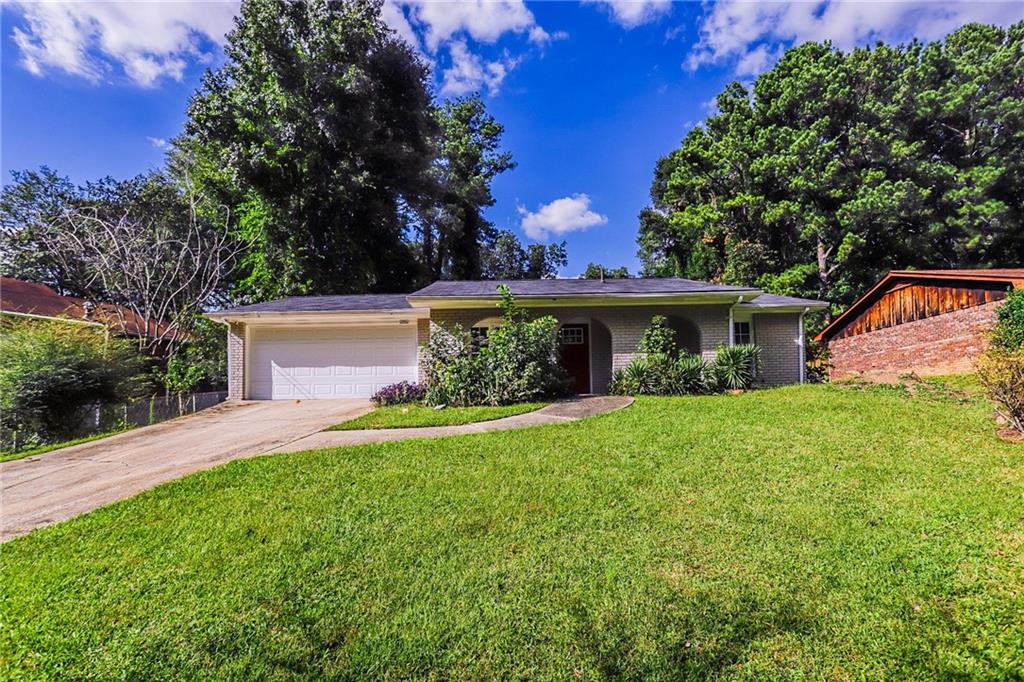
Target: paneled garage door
(329, 362)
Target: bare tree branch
(162, 269)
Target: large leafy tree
(507, 258)
(598, 271)
(838, 166)
(321, 127)
(30, 207)
(454, 231)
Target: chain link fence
(154, 410)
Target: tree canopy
(508, 259)
(322, 117)
(598, 271)
(346, 176)
(455, 231)
(838, 166)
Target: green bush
(1001, 367)
(455, 372)
(519, 363)
(636, 378)
(1008, 333)
(658, 338)
(693, 374)
(51, 371)
(662, 370)
(201, 362)
(736, 366)
(1001, 372)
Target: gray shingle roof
(525, 288)
(573, 287)
(325, 304)
(773, 301)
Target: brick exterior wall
(778, 335)
(236, 361)
(615, 333)
(422, 336)
(943, 344)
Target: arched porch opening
(686, 332)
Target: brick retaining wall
(943, 344)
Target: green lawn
(809, 532)
(9, 455)
(409, 416)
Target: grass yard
(10, 455)
(812, 532)
(411, 416)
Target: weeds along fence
(147, 411)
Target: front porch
(596, 341)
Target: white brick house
(350, 346)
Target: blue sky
(591, 94)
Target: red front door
(575, 342)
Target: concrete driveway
(58, 485)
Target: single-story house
(924, 321)
(31, 300)
(350, 346)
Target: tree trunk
(822, 268)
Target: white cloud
(453, 24)
(469, 72)
(752, 35)
(149, 41)
(394, 16)
(757, 60)
(632, 13)
(157, 142)
(483, 20)
(567, 214)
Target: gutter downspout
(732, 332)
(803, 347)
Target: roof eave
(787, 308)
(980, 275)
(318, 316)
(557, 301)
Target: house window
(571, 336)
(741, 333)
(478, 336)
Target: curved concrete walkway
(555, 413)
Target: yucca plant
(736, 366)
(692, 373)
(634, 379)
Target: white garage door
(329, 362)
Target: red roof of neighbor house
(1011, 276)
(29, 298)
(1014, 276)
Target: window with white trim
(742, 333)
(571, 336)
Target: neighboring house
(38, 301)
(350, 346)
(924, 321)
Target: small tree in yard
(51, 371)
(1001, 367)
(148, 244)
(519, 363)
(201, 362)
